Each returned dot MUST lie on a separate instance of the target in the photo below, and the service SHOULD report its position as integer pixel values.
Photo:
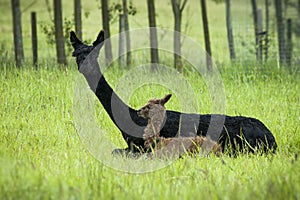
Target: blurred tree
(48, 28)
(121, 11)
(127, 34)
(17, 28)
(177, 7)
(59, 33)
(298, 6)
(267, 29)
(289, 44)
(77, 15)
(280, 31)
(105, 20)
(256, 30)
(230, 37)
(153, 34)
(122, 39)
(206, 35)
(289, 7)
(229, 31)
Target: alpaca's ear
(166, 99)
(74, 40)
(100, 38)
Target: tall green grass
(42, 156)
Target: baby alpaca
(155, 112)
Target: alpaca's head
(153, 107)
(81, 50)
(155, 111)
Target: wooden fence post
(289, 44)
(17, 28)
(59, 36)
(34, 39)
(256, 21)
(77, 15)
(121, 58)
(259, 35)
(267, 30)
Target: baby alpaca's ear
(165, 99)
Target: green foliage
(117, 8)
(49, 30)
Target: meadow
(43, 157)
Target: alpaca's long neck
(153, 128)
(156, 128)
(111, 102)
(155, 122)
(124, 117)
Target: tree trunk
(206, 35)
(153, 34)
(256, 30)
(78, 22)
(105, 19)
(289, 44)
(229, 31)
(17, 28)
(121, 57)
(259, 35)
(59, 36)
(280, 31)
(267, 30)
(177, 11)
(128, 46)
(299, 8)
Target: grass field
(43, 157)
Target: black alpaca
(238, 132)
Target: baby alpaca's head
(155, 111)
(153, 107)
